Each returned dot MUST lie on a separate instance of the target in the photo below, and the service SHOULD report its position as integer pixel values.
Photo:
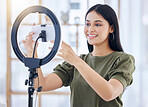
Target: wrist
(77, 61)
(30, 54)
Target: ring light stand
(33, 63)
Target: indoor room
(67, 21)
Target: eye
(97, 25)
(87, 24)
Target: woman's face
(96, 29)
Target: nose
(91, 28)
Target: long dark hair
(110, 16)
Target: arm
(51, 81)
(48, 83)
(107, 90)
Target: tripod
(33, 64)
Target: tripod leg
(30, 96)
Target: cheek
(99, 31)
(85, 30)
(103, 31)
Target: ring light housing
(50, 14)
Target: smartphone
(47, 30)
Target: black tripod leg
(30, 96)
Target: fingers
(50, 48)
(64, 47)
(29, 36)
(23, 41)
(52, 41)
(64, 43)
(59, 54)
(31, 33)
(34, 24)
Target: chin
(91, 43)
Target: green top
(117, 65)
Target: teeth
(92, 35)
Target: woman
(96, 79)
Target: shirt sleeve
(65, 72)
(122, 70)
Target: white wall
(3, 54)
(132, 41)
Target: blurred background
(133, 22)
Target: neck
(101, 50)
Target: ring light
(17, 22)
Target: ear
(111, 29)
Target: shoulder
(124, 61)
(122, 56)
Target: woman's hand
(29, 44)
(67, 53)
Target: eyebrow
(95, 21)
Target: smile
(91, 36)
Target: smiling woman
(103, 73)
